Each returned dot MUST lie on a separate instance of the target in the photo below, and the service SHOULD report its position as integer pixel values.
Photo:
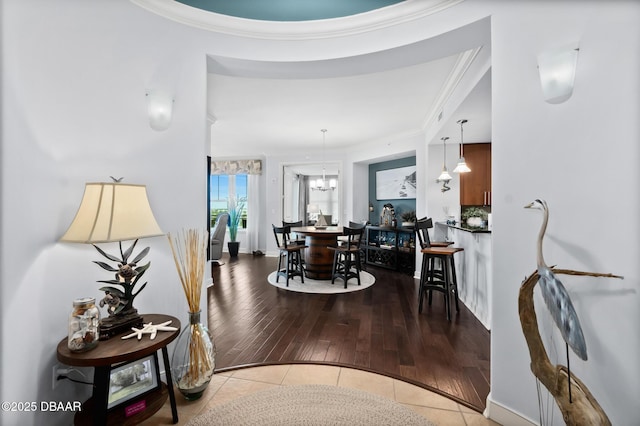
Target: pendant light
(462, 165)
(320, 184)
(444, 176)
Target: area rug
(304, 405)
(322, 286)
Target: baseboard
(505, 416)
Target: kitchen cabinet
(475, 186)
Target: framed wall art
(394, 184)
(132, 379)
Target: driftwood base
(582, 409)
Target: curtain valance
(236, 167)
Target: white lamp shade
(461, 167)
(444, 175)
(557, 69)
(112, 212)
(160, 110)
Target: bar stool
(422, 227)
(448, 284)
(290, 252)
(347, 262)
(442, 279)
(296, 238)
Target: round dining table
(318, 258)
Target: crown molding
(464, 61)
(389, 16)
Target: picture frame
(398, 183)
(132, 379)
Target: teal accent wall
(288, 10)
(400, 205)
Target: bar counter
(473, 266)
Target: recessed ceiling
(267, 108)
(281, 113)
(288, 10)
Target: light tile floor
(227, 386)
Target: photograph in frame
(132, 379)
(394, 184)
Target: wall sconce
(557, 69)
(160, 109)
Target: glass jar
(83, 325)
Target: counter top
(462, 227)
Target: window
(220, 188)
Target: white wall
(74, 111)
(565, 154)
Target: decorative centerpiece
(408, 218)
(116, 212)
(193, 360)
(119, 301)
(236, 209)
(475, 217)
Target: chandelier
(321, 184)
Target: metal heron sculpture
(556, 296)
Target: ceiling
(265, 108)
(288, 10)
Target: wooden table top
(116, 350)
(312, 230)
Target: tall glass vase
(193, 359)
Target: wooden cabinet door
(475, 186)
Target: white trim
(504, 416)
(464, 61)
(388, 16)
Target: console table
(110, 352)
(392, 248)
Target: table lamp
(116, 212)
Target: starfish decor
(151, 329)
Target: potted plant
(475, 216)
(236, 207)
(408, 218)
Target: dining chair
(290, 252)
(347, 259)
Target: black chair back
(353, 236)
(295, 238)
(357, 225)
(422, 227)
(282, 235)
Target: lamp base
(117, 324)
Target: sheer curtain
(303, 198)
(253, 207)
(253, 170)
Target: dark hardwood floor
(377, 329)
